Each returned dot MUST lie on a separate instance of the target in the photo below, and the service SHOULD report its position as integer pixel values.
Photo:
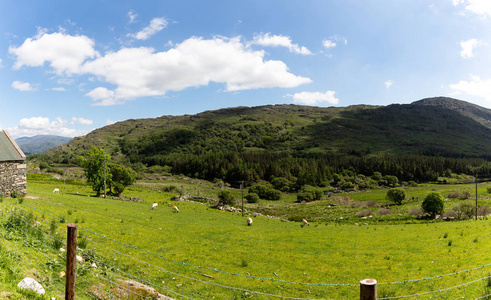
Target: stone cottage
(13, 168)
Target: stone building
(13, 167)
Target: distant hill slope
(434, 126)
(40, 143)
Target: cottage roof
(9, 150)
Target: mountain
(434, 126)
(40, 143)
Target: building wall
(13, 177)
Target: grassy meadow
(202, 252)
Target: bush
(363, 213)
(252, 198)
(265, 191)
(465, 210)
(465, 195)
(309, 193)
(411, 183)
(415, 212)
(453, 195)
(225, 198)
(433, 204)
(450, 215)
(483, 211)
(396, 196)
(383, 212)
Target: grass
(329, 251)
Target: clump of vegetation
(252, 198)
(396, 196)
(265, 191)
(225, 198)
(383, 212)
(364, 213)
(433, 204)
(309, 193)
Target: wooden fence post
(71, 261)
(368, 289)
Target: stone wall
(13, 177)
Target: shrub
(411, 183)
(371, 203)
(363, 213)
(450, 215)
(465, 195)
(169, 189)
(464, 210)
(483, 211)
(433, 204)
(383, 212)
(415, 212)
(225, 198)
(265, 191)
(453, 195)
(309, 193)
(395, 195)
(281, 183)
(252, 198)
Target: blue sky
(69, 67)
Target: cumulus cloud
(480, 7)
(315, 98)
(328, 44)
(81, 121)
(155, 26)
(58, 89)
(1, 66)
(140, 72)
(475, 87)
(22, 86)
(269, 40)
(64, 53)
(388, 83)
(468, 47)
(40, 125)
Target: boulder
(31, 284)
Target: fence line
(38, 229)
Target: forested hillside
(417, 141)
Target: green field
(178, 253)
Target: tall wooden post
(71, 261)
(368, 289)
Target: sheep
(175, 209)
(154, 206)
(56, 190)
(304, 222)
(249, 221)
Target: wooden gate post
(368, 289)
(71, 261)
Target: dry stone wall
(13, 177)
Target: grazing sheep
(175, 209)
(154, 206)
(304, 222)
(56, 191)
(249, 221)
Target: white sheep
(249, 221)
(175, 209)
(56, 191)
(304, 222)
(154, 206)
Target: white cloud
(388, 83)
(468, 47)
(328, 44)
(475, 87)
(155, 26)
(81, 121)
(22, 86)
(315, 98)
(1, 66)
(132, 16)
(64, 53)
(480, 7)
(140, 72)
(58, 89)
(268, 40)
(40, 125)
(110, 122)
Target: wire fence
(111, 269)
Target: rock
(79, 259)
(93, 265)
(31, 284)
